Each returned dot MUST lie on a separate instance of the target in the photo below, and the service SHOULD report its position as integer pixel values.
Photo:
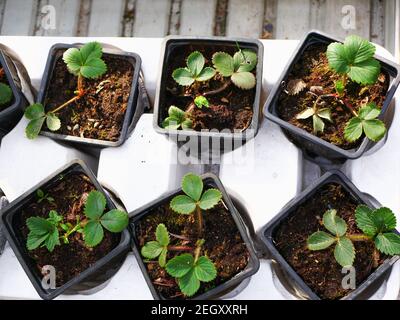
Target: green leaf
(52, 240)
(189, 284)
(53, 122)
(384, 219)
(358, 49)
(115, 220)
(210, 198)
(205, 270)
(320, 240)
(183, 76)
(369, 111)
(192, 185)
(201, 101)
(325, 113)
(151, 250)
(5, 93)
(206, 74)
(195, 63)
(95, 205)
(180, 265)
(34, 111)
(187, 124)
(365, 72)
(93, 233)
(162, 258)
(224, 63)
(35, 240)
(171, 123)
(353, 129)
(333, 223)
(364, 220)
(176, 113)
(318, 124)
(183, 204)
(344, 252)
(306, 113)
(33, 128)
(85, 61)
(339, 86)
(388, 243)
(244, 80)
(374, 129)
(54, 218)
(40, 193)
(244, 60)
(162, 235)
(39, 226)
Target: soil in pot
(3, 80)
(230, 108)
(69, 260)
(319, 269)
(313, 69)
(100, 113)
(223, 245)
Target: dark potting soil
(3, 79)
(223, 245)
(100, 113)
(319, 269)
(230, 109)
(314, 70)
(69, 260)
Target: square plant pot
(172, 50)
(99, 272)
(137, 101)
(314, 146)
(146, 212)
(10, 115)
(269, 234)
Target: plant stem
(198, 250)
(199, 220)
(219, 90)
(65, 104)
(80, 94)
(358, 237)
(180, 248)
(179, 236)
(349, 106)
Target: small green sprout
(195, 199)
(366, 122)
(5, 94)
(85, 62)
(43, 196)
(159, 247)
(237, 67)
(191, 270)
(194, 70)
(317, 116)
(378, 226)
(46, 232)
(201, 101)
(176, 119)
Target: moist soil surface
(223, 245)
(3, 79)
(319, 269)
(230, 109)
(70, 259)
(100, 113)
(314, 70)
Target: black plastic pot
(10, 116)
(314, 146)
(137, 103)
(97, 274)
(267, 234)
(212, 181)
(209, 140)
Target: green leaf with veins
(86, 61)
(192, 185)
(95, 205)
(355, 58)
(344, 252)
(36, 115)
(210, 198)
(5, 94)
(244, 60)
(334, 224)
(320, 240)
(114, 220)
(195, 63)
(223, 63)
(365, 122)
(43, 232)
(177, 118)
(183, 76)
(383, 219)
(388, 243)
(53, 122)
(364, 221)
(201, 101)
(183, 204)
(244, 80)
(180, 265)
(93, 233)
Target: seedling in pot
(42, 196)
(194, 199)
(176, 119)
(48, 232)
(85, 63)
(352, 61)
(378, 227)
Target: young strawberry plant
(194, 199)
(48, 232)
(378, 227)
(84, 63)
(43, 196)
(176, 119)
